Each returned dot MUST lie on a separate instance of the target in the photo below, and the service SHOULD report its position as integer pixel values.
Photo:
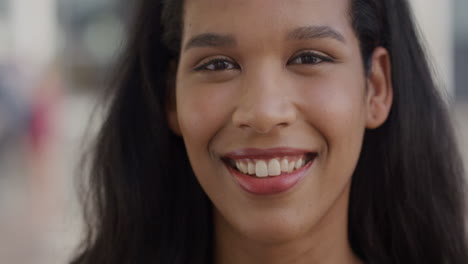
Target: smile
(269, 171)
(270, 167)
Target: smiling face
(272, 104)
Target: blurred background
(55, 59)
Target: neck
(326, 243)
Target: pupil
(309, 59)
(221, 65)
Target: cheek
(203, 111)
(336, 109)
(335, 102)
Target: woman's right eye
(217, 65)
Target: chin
(275, 231)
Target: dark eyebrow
(218, 40)
(210, 40)
(313, 32)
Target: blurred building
(93, 32)
(461, 49)
(55, 56)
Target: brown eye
(309, 58)
(217, 65)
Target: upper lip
(257, 153)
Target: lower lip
(269, 185)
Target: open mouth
(271, 167)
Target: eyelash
(315, 56)
(229, 65)
(204, 66)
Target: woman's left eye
(309, 58)
(217, 64)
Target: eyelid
(207, 61)
(324, 57)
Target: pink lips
(268, 185)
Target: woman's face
(271, 102)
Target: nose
(265, 103)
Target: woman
(275, 132)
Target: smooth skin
(276, 73)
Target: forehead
(249, 16)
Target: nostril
(262, 129)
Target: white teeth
(274, 168)
(291, 166)
(264, 168)
(284, 165)
(261, 169)
(251, 168)
(299, 164)
(243, 167)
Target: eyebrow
(210, 40)
(301, 33)
(314, 32)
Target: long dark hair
(146, 206)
